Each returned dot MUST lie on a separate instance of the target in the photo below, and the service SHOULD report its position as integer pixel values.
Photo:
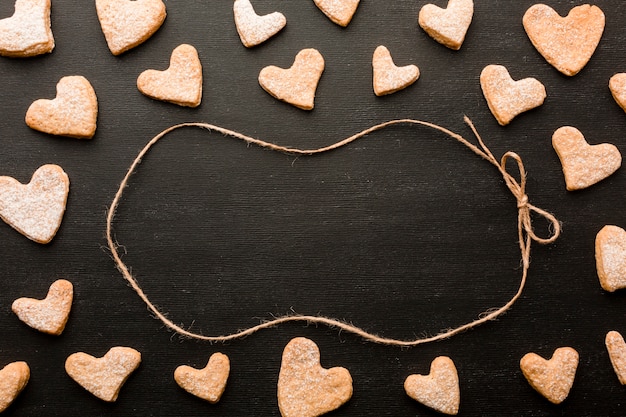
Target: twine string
(517, 188)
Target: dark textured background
(404, 232)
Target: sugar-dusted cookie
(617, 85)
(254, 29)
(439, 389)
(50, 314)
(305, 389)
(129, 23)
(180, 84)
(13, 379)
(447, 26)
(584, 164)
(208, 383)
(567, 43)
(27, 33)
(339, 11)
(35, 209)
(551, 378)
(388, 78)
(611, 258)
(73, 113)
(508, 98)
(616, 347)
(295, 85)
(103, 377)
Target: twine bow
(517, 188)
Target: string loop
(516, 187)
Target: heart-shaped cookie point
(567, 43)
(129, 23)
(439, 389)
(295, 85)
(508, 98)
(103, 377)
(254, 29)
(305, 389)
(73, 113)
(339, 11)
(611, 258)
(551, 378)
(180, 84)
(584, 165)
(447, 26)
(27, 33)
(35, 209)
(617, 85)
(49, 315)
(388, 78)
(208, 383)
(13, 380)
(616, 347)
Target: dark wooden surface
(404, 232)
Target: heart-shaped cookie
(611, 258)
(567, 43)
(508, 98)
(35, 209)
(447, 26)
(305, 389)
(439, 389)
(13, 379)
(551, 378)
(208, 383)
(584, 164)
(27, 33)
(616, 347)
(617, 85)
(339, 11)
(388, 78)
(180, 84)
(103, 377)
(128, 23)
(73, 113)
(254, 29)
(295, 85)
(50, 314)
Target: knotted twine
(517, 188)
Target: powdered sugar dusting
(28, 32)
(208, 383)
(551, 378)
(13, 379)
(295, 85)
(339, 11)
(508, 98)
(254, 29)
(305, 389)
(567, 43)
(127, 24)
(103, 377)
(180, 84)
(388, 78)
(611, 257)
(35, 209)
(439, 389)
(584, 165)
(616, 348)
(72, 113)
(49, 315)
(447, 26)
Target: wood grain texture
(404, 232)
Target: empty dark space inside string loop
(386, 232)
